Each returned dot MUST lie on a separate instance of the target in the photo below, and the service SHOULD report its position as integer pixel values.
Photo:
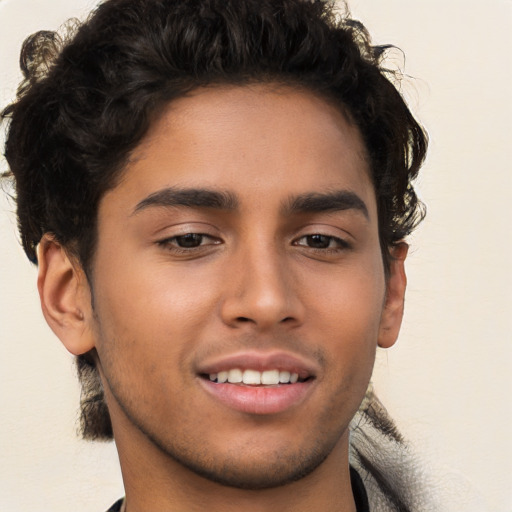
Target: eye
(322, 242)
(189, 241)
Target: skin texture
(258, 281)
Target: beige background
(448, 380)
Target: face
(239, 286)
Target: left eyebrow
(189, 198)
(314, 202)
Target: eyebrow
(312, 202)
(337, 200)
(189, 197)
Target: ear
(65, 296)
(393, 311)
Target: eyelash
(341, 245)
(171, 243)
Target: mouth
(273, 377)
(255, 383)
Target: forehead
(252, 139)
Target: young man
(217, 195)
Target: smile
(259, 383)
(254, 377)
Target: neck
(154, 481)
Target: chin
(254, 468)
(255, 475)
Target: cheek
(347, 315)
(154, 288)
(350, 300)
(152, 306)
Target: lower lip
(259, 399)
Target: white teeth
(270, 377)
(284, 377)
(254, 377)
(251, 377)
(235, 376)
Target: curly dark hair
(88, 99)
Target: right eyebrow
(317, 202)
(189, 197)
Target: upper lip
(261, 361)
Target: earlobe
(65, 296)
(392, 314)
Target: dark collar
(359, 491)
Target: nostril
(244, 319)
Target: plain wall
(448, 379)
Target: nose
(261, 291)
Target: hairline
(276, 84)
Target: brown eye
(318, 241)
(321, 242)
(189, 241)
